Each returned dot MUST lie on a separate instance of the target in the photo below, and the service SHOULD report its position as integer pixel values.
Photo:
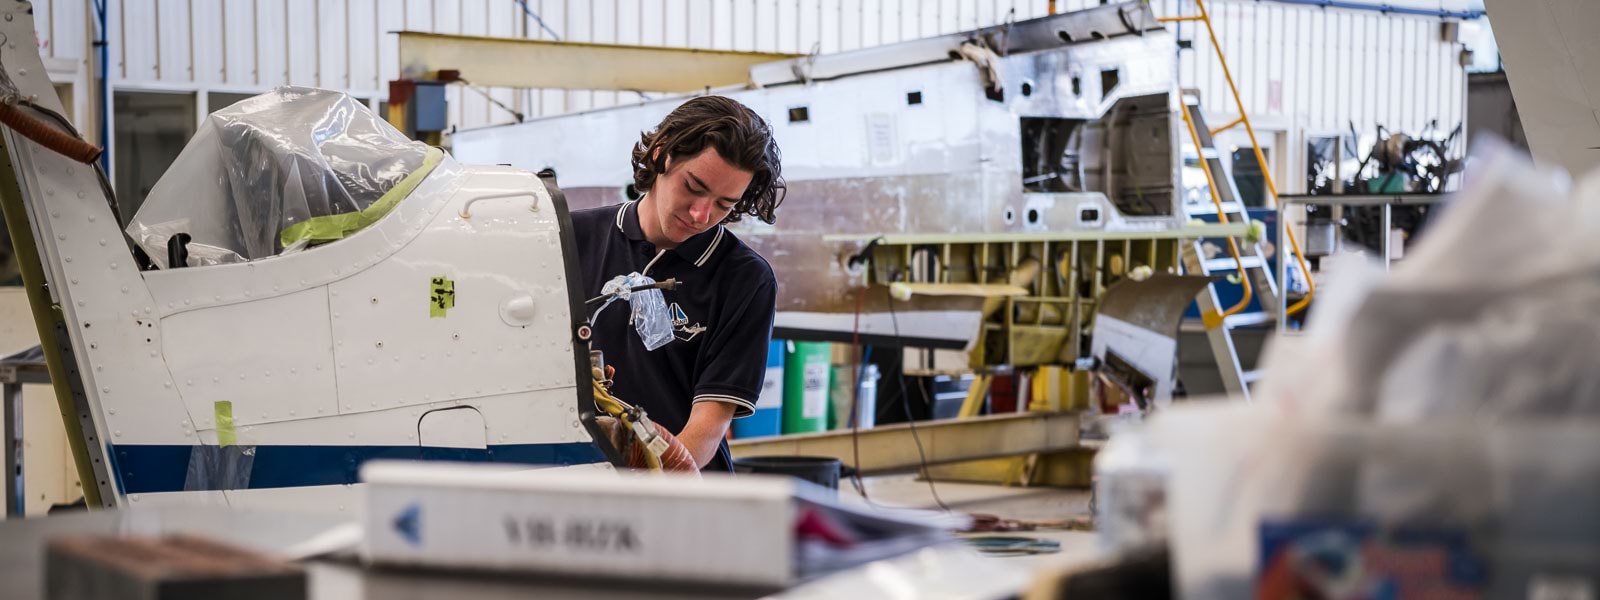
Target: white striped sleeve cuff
(742, 408)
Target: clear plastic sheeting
(649, 315)
(219, 468)
(277, 173)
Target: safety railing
(1244, 119)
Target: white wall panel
(787, 26)
(698, 24)
(361, 37)
(829, 31)
(174, 60)
(43, 26)
(70, 26)
(579, 28)
(447, 19)
(303, 42)
(805, 26)
(475, 110)
(927, 23)
(741, 25)
(205, 23)
(239, 43)
(506, 19)
(850, 23)
(871, 23)
(272, 42)
(447, 16)
(603, 28)
(652, 23)
(418, 14)
(674, 23)
(138, 25)
(333, 44)
(390, 20)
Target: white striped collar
(698, 249)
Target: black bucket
(815, 469)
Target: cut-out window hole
(913, 98)
(1109, 78)
(1027, 89)
(1033, 216)
(799, 114)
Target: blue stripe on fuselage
(148, 468)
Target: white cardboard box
(717, 529)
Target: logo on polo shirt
(680, 324)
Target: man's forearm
(708, 423)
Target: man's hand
(708, 423)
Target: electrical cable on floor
(855, 400)
(906, 405)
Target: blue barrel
(768, 419)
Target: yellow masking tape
(327, 228)
(224, 416)
(441, 296)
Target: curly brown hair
(740, 137)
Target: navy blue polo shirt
(727, 295)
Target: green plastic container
(806, 375)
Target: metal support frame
(88, 455)
(15, 499)
(1386, 201)
(897, 447)
(1266, 174)
(1034, 315)
(22, 368)
(506, 62)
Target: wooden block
(173, 568)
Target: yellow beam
(1064, 468)
(891, 448)
(522, 63)
(975, 395)
(1186, 232)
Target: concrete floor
(1006, 502)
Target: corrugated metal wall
(1299, 68)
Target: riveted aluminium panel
(391, 343)
(276, 367)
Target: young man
(711, 161)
